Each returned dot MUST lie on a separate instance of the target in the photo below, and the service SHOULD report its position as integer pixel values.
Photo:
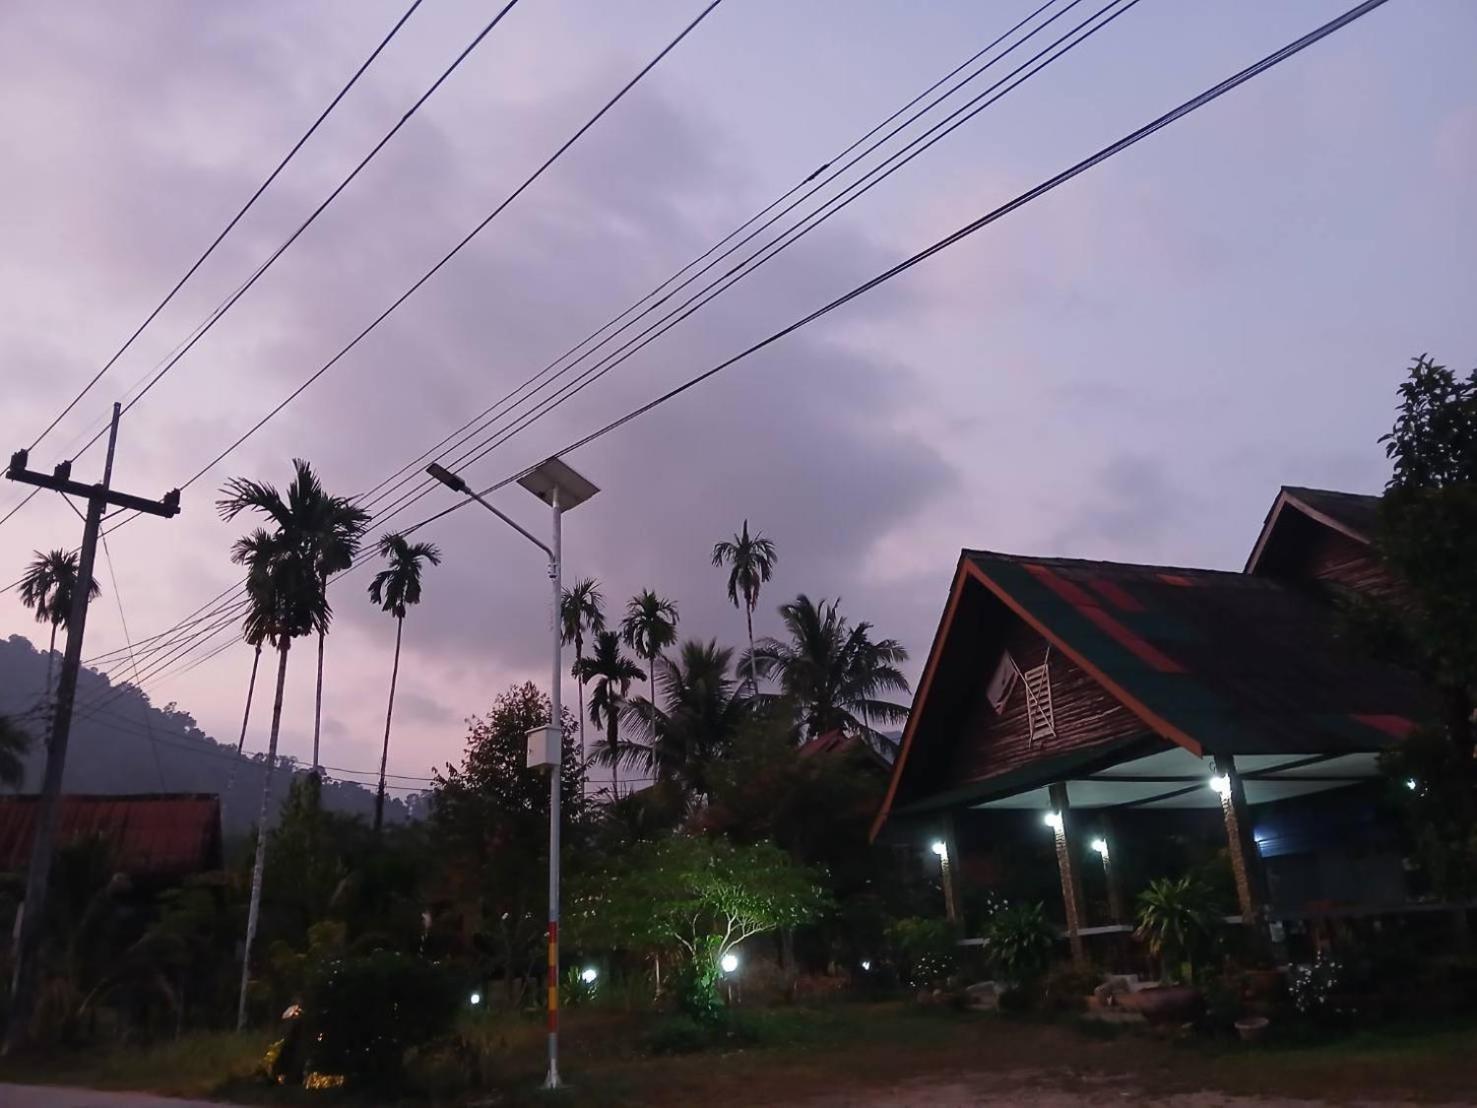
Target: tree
(47, 589)
(489, 828)
(649, 628)
(13, 743)
(395, 590)
(702, 712)
(831, 671)
(612, 673)
(751, 562)
(335, 525)
(285, 600)
(581, 609)
(1428, 538)
(706, 896)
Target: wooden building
(158, 837)
(1063, 699)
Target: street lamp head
(550, 477)
(446, 477)
(1052, 820)
(1220, 784)
(939, 848)
(1101, 846)
(729, 962)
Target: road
(50, 1096)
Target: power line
(202, 331)
(231, 225)
(408, 293)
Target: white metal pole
(555, 774)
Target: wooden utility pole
(48, 809)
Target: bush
(927, 949)
(1019, 939)
(1067, 986)
(684, 1034)
(362, 1014)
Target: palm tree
(395, 590)
(649, 628)
(751, 562)
(612, 673)
(13, 743)
(286, 600)
(47, 589)
(831, 671)
(336, 525)
(702, 712)
(581, 609)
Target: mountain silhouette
(121, 743)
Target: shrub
(684, 1034)
(928, 950)
(1019, 939)
(362, 1014)
(1315, 991)
(1178, 921)
(1067, 986)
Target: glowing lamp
(939, 848)
(1101, 846)
(729, 962)
(1220, 784)
(1053, 820)
(476, 999)
(589, 975)
(866, 966)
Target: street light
(560, 487)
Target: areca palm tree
(47, 589)
(13, 743)
(702, 711)
(286, 600)
(649, 628)
(751, 561)
(833, 672)
(397, 589)
(612, 672)
(581, 609)
(336, 528)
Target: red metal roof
(154, 835)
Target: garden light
(1101, 846)
(476, 999)
(729, 962)
(589, 974)
(1053, 820)
(939, 848)
(866, 966)
(1410, 784)
(1221, 785)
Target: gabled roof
(1216, 662)
(153, 835)
(1355, 515)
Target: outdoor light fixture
(1221, 785)
(476, 999)
(729, 962)
(589, 974)
(939, 848)
(866, 966)
(1101, 846)
(1411, 784)
(1053, 820)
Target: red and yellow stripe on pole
(553, 978)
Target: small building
(155, 837)
(1074, 704)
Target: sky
(1126, 368)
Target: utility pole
(48, 809)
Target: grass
(791, 1054)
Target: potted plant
(1177, 921)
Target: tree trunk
(379, 798)
(753, 671)
(613, 738)
(256, 659)
(50, 660)
(258, 868)
(318, 703)
(579, 657)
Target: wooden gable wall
(1086, 715)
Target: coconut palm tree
(702, 711)
(13, 743)
(581, 609)
(336, 526)
(47, 589)
(396, 590)
(831, 671)
(285, 600)
(751, 561)
(649, 628)
(612, 673)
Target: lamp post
(560, 487)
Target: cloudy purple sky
(1126, 369)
